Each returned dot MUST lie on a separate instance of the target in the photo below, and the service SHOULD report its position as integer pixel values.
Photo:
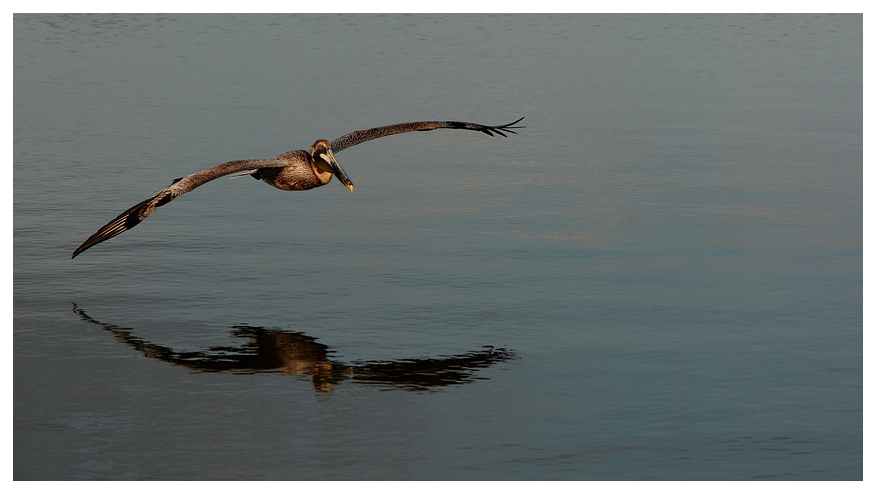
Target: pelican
(295, 170)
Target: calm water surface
(659, 278)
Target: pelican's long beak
(335, 168)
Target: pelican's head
(324, 159)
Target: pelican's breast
(299, 175)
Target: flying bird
(295, 170)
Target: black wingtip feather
(122, 223)
(498, 129)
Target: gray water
(660, 277)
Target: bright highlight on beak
(336, 169)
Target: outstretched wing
(133, 216)
(361, 136)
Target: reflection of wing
(130, 218)
(422, 374)
(271, 350)
(361, 136)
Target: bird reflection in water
(273, 350)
